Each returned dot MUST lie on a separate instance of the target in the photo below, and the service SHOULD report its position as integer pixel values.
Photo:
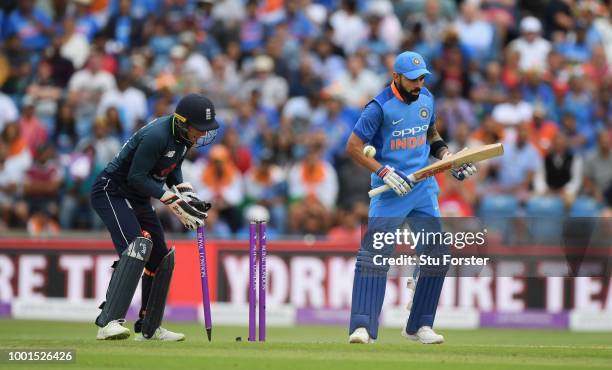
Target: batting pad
(157, 298)
(124, 281)
(424, 303)
(368, 295)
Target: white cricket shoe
(425, 335)
(113, 330)
(360, 335)
(163, 335)
(411, 285)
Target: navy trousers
(126, 219)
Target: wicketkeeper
(121, 196)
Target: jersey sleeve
(146, 153)
(369, 122)
(176, 176)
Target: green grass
(312, 348)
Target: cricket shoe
(411, 285)
(113, 330)
(360, 335)
(163, 335)
(425, 335)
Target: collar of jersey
(396, 92)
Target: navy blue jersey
(150, 158)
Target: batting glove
(188, 214)
(396, 180)
(464, 171)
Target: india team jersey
(397, 130)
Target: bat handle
(381, 189)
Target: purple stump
(204, 280)
(262, 282)
(252, 277)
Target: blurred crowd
(289, 79)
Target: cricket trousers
(127, 219)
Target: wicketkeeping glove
(186, 190)
(464, 171)
(396, 180)
(189, 215)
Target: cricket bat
(456, 160)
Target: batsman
(122, 195)
(400, 123)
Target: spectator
(8, 111)
(491, 90)
(558, 18)
(384, 26)
(222, 87)
(240, 153)
(300, 26)
(197, 67)
(31, 25)
(490, 131)
(532, 48)
(598, 169)
(41, 192)
(18, 150)
(517, 167)
(126, 30)
(313, 187)
(220, 182)
(85, 89)
(432, 24)
(579, 100)
(305, 79)
(348, 227)
(542, 130)
(130, 102)
(266, 186)
(327, 63)
(64, 136)
(12, 172)
(32, 129)
(45, 93)
(561, 172)
(349, 28)
(536, 91)
(453, 109)
(514, 112)
(81, 173)
(274, 89)
(474, 31)
(106, 146)
(252, 29)
(85, 22)
(357, 86)
(335, 122)
(72, 44)
(576, 49)
(603, 26)
(580, 137)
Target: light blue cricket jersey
(398, 131)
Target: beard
(408, 96)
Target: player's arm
(366, 127)
(439, 149)
(147, 152)
(354, 148)
(437, 146)
(176, 176)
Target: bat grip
(381, 189)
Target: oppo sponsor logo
(410, 131)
